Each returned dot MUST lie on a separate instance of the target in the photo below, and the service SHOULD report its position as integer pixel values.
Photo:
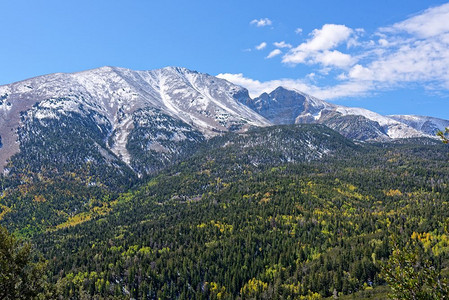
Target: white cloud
(414, 51)
(261, 22)
(316, 49)
(256, 87)
(432, 22)
(359, 72)
(282, 44)
(298, 30)
(261, 46)
(274, 53)
(334, 58)
(411, 61)
(329, 36)
(311, 76)
(383, 42)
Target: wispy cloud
(261, 46)
(432, 22)
(274, 53)
(415, 50)
(282, 44)
(261, 22)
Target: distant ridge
(288, 106)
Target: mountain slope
(284, 106)
(75, 179)
(217, 225)
(282, 144)
(424, 124)
(204, 103)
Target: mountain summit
(122, 100)
(287, 106)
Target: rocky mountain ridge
(202, 103)
(147, 119)
(288, 106)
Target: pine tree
(20, 278)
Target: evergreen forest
(260, 215)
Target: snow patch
(120, 140)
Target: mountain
(219, 225)
(428, 125)
(285, 106)
(275, 145)
(118, 121)
(158, 114)
(228, 205)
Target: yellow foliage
(75, 220)
(211, 244)
(273, 272)
(311, 296)
(163, 250)
(351, 187)
(217, 291)
(266, 198)
(292, 288)
(223, 227)
(310, 189)
(39, 198)
(438, 243)
(4, 210)
(349, 190)
(288, 221)
(392, 193)
(253, 287)
(315, 255)
(101, 210)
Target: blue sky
(388, 56)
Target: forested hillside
(248, 216)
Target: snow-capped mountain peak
(289, 106)
(208, 104)
(428, 125)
